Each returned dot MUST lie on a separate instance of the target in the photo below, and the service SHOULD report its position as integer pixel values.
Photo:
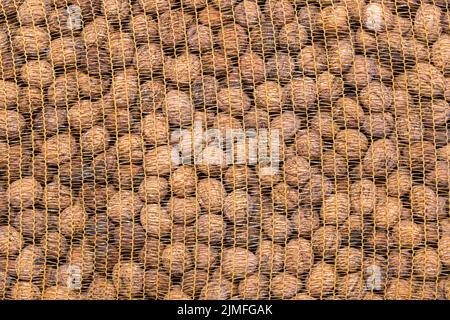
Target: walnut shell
(329, 86)
(216, 289)
(59, 148)
(334, 19)
(286, 124)
(348, 113)
(399, 183)
(312, 59)
(387, 213)
(123, 205)
(279, 12)
(324, 123)
(292, 36)
(205, 256)
(73, 220)
(362, 72)
(335, 208)
(200, 38)
(299, 256)
(427, 23)
(277, 227)
(351, 144)
(301, 93)
(321, 280)
(12, 124)
(378, 125)
(376, 97)
(116, 11)
(285, 196)
(239, 176)
(233, 100)
(183, 69)
(176, 258)
(159, 161)
(173, 25)
(11, 241)
(25, 192)
(363, 196)
(326, 241)
(424, 202)
(101, 289)
(377, 17)
(426, 263)
(54, 245)
(268, 96)
(31, 222)
(211, 195)
(251, 67)
(409, 234)
(50, 120)
(308, 144)
(25, 291)
(333, 164)
(65, 52)
(381, 157)
(237, 206)
(440, 176)
(155, 220)
(340, 56)
(271, 257)
(247, 13)
(178, 107)
(94, 140)
(440, 53)
(400, 263)
(59, 292)
(233, 39)
(149, 59)
(31, 40)
(425, 80)
(153, 189)
(284, 286)
(183, 210)
(124, 89)
(94, 32)
(211, 228)
(156, 283)
(280, 67)
(10, 92)
(304, 221)
(150, 254)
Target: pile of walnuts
(99, 99)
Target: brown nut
(11, 241)
(326, 241)
(351, 144)
(123, 205)
(335, 208)
(211, 228)
(284, 286)
(427, 22)
(128, 278)
(176, 258)
(299, 256)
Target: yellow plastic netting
(224, 149)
